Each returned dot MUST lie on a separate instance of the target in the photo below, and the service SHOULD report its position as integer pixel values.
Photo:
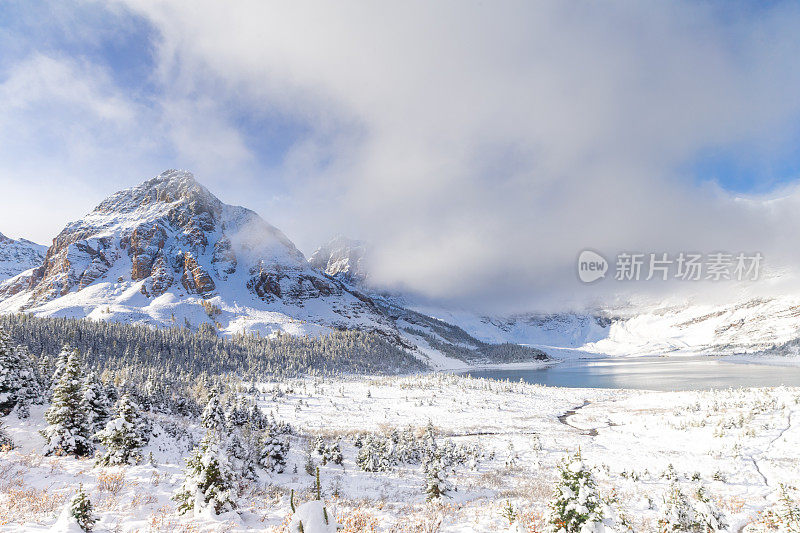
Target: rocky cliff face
(17, 256)
(342, 258)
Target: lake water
(653, 373)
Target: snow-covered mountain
(17, 256)
(168, 252)
(342, 258)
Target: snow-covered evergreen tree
(6, 442)
(97, 400)
(236, 414)
(210, 482)
(256, 417)
(69, 430)
(680, 513)
(375, 454)
(19, 384)
(59, 365)
(124, 435)
(81, 509)
(244, 449)
(274, 449)
(213, 416)
(436, 482)
(331, 452)
(577, 507)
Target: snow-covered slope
(17, 256)
(745, 326)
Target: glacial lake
(652, 373)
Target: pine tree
(60, 364)
(244, 449)
(97, 400)
(679, 513)
(213, 416)
(81, 509)
(273, 452)
(577, 506)
(18, 382)
(436, 482)
(210, 482)
(123, 435)
(69, 431)
(6, 443)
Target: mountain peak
(170, 187)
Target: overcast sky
(478, 146)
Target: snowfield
(740, 445)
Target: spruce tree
(436, 482)
(60, 364)
(81, 509)
(210, 482)
(69, 431)
(273, 452)
(19, 385)
(577, 506)
(97, 400)
(124, 435)
(6, 443)
(213, 416)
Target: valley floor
(741, 445)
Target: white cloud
(481, 146)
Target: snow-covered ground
(739, 444)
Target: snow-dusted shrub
(577, 507)
(274, 449)
(124, 435)
(786, 515)
(210, 482)
(80, 508)
(69, 431)
(680, 513)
